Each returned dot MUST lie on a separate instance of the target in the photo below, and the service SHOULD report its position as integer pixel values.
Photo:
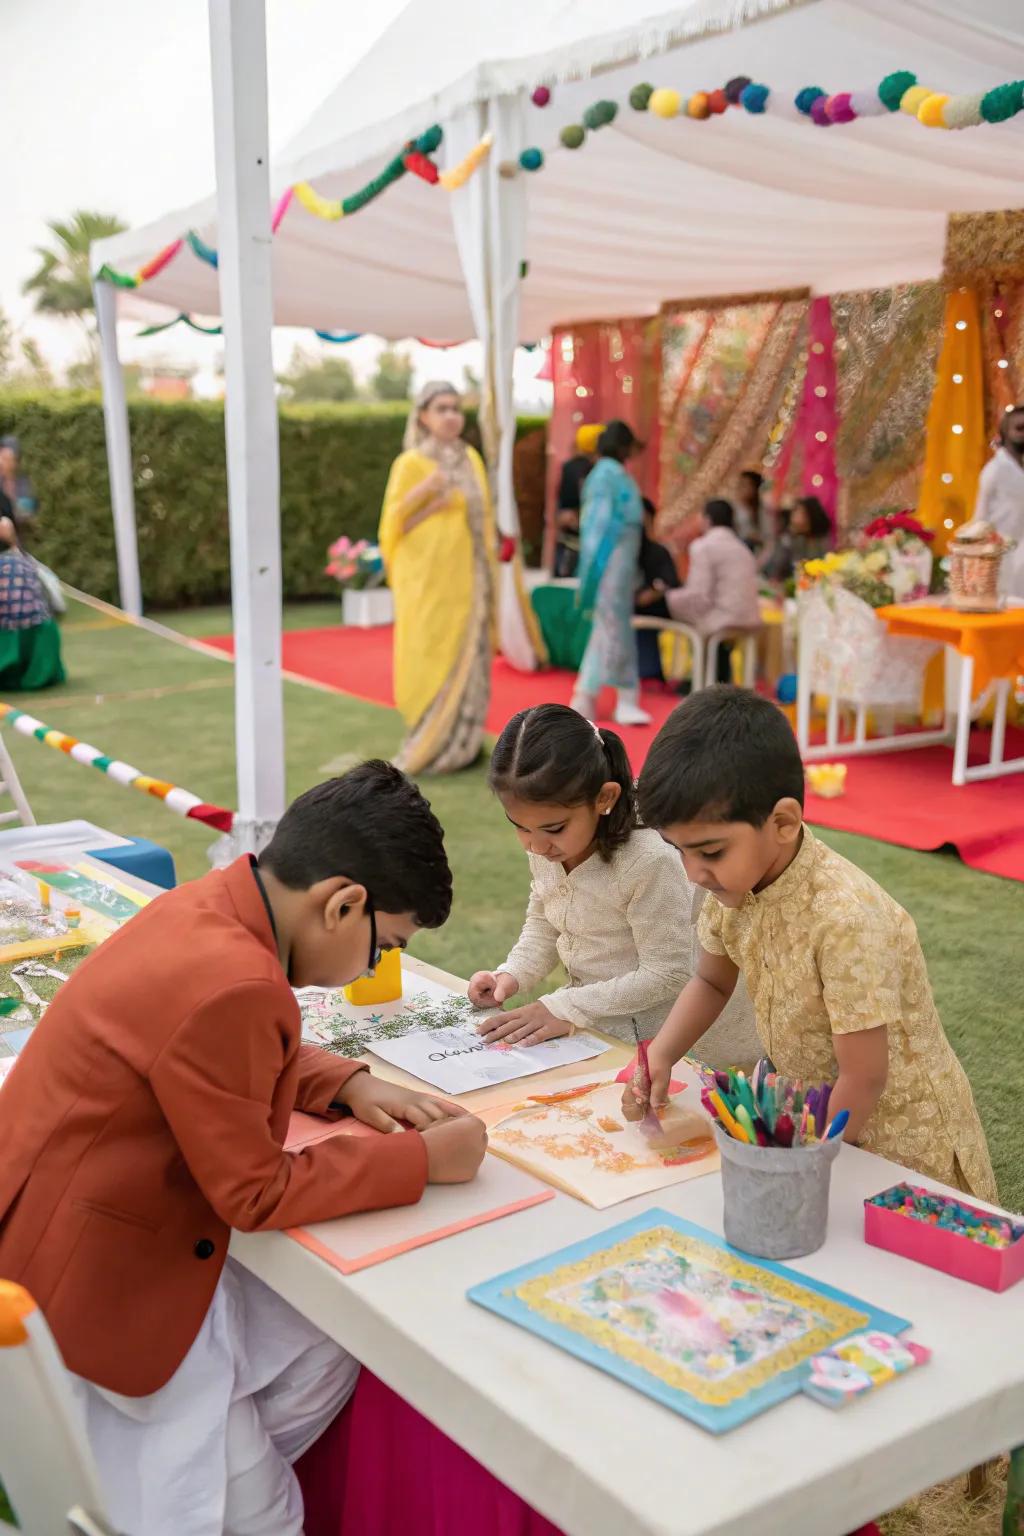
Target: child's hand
(528, 1025)
(455, 1149)
(487, 990)
(383, 1105)
(635, 1098)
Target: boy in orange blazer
(146, 1118)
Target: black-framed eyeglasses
(376, 952)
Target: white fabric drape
(489, 218)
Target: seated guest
(657, 574)
(30, 655)
(570, 500)
(721, 588)
(805, 535)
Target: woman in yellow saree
(437, 539)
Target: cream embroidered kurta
(622, 931)
(825, 951)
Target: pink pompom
(840, 108)
(819, 111)
(541, 96)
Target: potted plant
(358, 569)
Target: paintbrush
(650, 1125)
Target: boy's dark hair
(719, 513)
(724, 755)
(551, 755)
(617, 441)
(373, 826)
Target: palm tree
(62, 284)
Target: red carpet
(905, 798)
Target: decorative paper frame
(523, 1296)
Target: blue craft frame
(498, 1296)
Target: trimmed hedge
(334, 466)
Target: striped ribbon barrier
(178, 800)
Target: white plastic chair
(680, 632)
(747, 639)
(46, 1465)
(10, 785)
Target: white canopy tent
(646, 211)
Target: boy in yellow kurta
(832, 963)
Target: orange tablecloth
(995, 641)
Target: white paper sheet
(457, 1060)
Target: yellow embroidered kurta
(431, 573)
(825, 951)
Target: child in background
(834, 966)
(608, 898)
(146, 1117)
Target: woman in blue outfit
(610, 530)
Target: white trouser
(210, 1453)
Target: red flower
(898, 522)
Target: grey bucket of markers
(776, 1198)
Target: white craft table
(599, 1459)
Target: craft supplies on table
(352, 1243)
(861, 1365)
(85, 886)
(946, 1233)
(432, 1035)
(668, 1308)
(578, 1139)
(777, 1147)
(383, 985)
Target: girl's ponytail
(614, 829)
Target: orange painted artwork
(578, 1140)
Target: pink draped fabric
(818, 421)
(382, 1469)
(600, 372)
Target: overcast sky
(106, 105)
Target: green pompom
(599, 114)
(531, 159)
(431, 140)
(1003, 102)
(894, 87)
(572, 136)
(639, 96)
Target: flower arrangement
(899, 527)
(891, 562)
(358, 565)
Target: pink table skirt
(382, 1469)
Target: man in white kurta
(1001, 499)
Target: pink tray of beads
(963, 1257)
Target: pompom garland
(1002, 103)
(697, 106)
(640, 97)
(931, 109)
(804, 100)
(963, 111)
(754, 98)
(894, 87)
(572, 136)
(912, 98)
(735, 87)
(531, 159)
(665, 102)
(541, 96)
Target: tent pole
(238, 50)
(119, 450)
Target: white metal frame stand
(238, 50)
(119, 450)
(958, 733)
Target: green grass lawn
(169, 711)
